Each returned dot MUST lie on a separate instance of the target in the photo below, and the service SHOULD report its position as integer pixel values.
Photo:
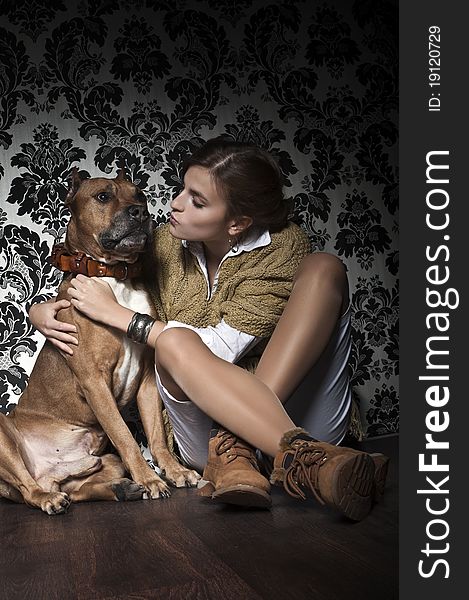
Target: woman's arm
(43, 317)
(94, 298)
(223, 340)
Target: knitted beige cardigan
(253, 287)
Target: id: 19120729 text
(434, 67)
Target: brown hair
(248, 178)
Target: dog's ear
(121, 175)
(74, 182)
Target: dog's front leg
(101, 401)
(150, 409)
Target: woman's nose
(178, 202)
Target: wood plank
(186, 547)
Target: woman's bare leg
(242, 403)
(319, 297)
(231, 396)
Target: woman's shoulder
(292, 236)
(284, 252)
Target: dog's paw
(179, 476)
(55, 503)
(155, 488)
(126, 490)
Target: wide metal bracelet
(139, 328)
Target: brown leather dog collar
(80, 263)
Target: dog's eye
(103, 196)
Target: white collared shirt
(223, 340)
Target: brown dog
(52, 443)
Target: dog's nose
(139, 213)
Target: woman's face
(199, 213)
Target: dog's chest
(130, 297)
(129, 368)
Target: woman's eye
(103, 196)
(195, 203)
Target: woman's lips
(172, 220)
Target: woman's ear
(238, 225)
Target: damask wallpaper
(101, 84)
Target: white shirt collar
(252, 240)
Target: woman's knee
(322, 275)
(175, 345)
(323, 267)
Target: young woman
(233, 277)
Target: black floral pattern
(360, 230)
(14, 65)
(138, 55)
(32, 16)
(383, 415)
(141, 84)
(25, 278)
(331, 44)
(41, 191)
(375, 310)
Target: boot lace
(303, 471)
(233, 447)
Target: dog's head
(110, 220)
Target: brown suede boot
(339, 477)
(232, 474)
(381, 463)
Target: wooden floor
(186, 548)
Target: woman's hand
(94, 298)
(44, 318)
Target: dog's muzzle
(129, 231)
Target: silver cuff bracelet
(139, 328)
